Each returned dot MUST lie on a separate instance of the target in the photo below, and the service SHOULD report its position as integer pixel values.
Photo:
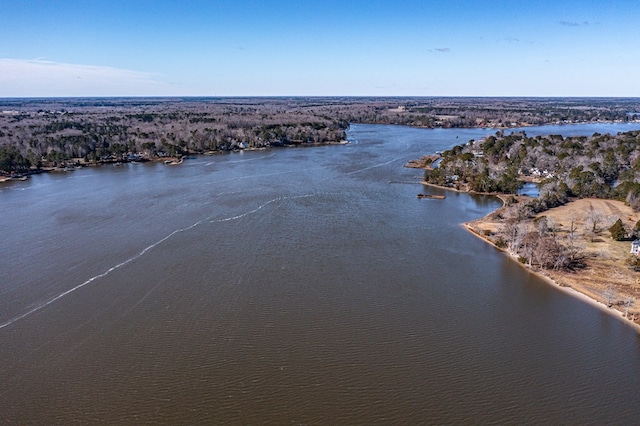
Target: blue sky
(319, 48)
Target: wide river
(301, 285)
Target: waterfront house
(635, 247)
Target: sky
(69, 48)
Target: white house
(635, 247)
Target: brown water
(287, 286)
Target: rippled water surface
(301, 285)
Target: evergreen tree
(617, 230)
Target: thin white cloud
(41, 78)
(574, 23)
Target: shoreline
(577, 293)
(71, 165)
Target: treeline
(490, 112)
(601, 166)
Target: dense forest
(600, 166)
(48, 133)
(121, 131)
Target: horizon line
(316, 96)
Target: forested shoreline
(598, 166)
(56, 132)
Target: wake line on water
(142, 253)
(92, 279)
(240, 216)
(374, 166)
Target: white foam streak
(374, 166)
(140, 254)
(240, 216)
(90, 280)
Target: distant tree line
(37, 138)
(489, 112)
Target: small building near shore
(635, 247)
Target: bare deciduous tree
(609, 295)
(627, 304)
(593, 220)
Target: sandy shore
(605, 263)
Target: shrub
(633, 262)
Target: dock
(435, 197)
